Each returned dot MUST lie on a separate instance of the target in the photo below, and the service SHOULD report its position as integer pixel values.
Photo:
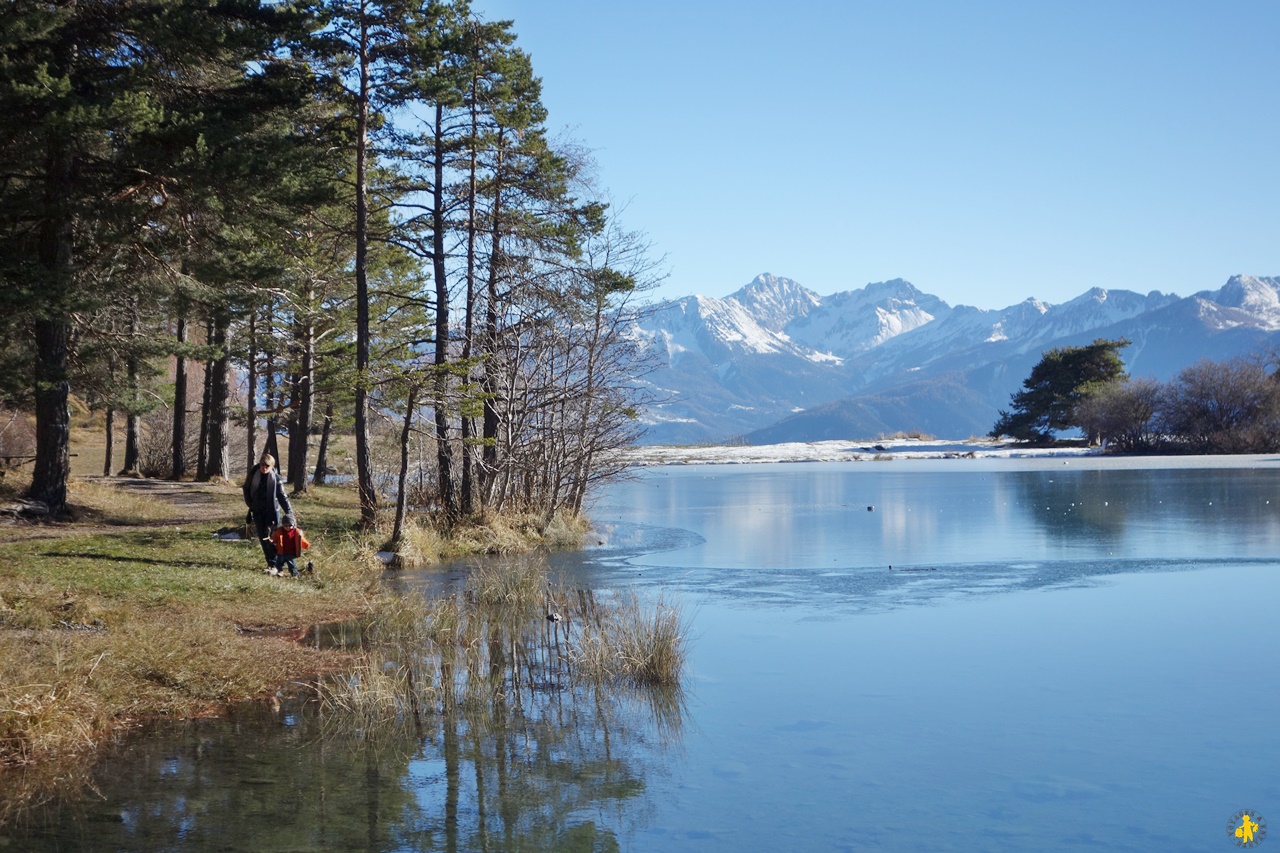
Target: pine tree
(105, 105)
(1060, 379)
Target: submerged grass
(630, 642)
(510, 634)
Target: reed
(565, 531)
(509, 585)
(420, 544)
(652, 642)
(630, 642)
(511, 632)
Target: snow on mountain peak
(856, 320)
(774, 301)
(1258, 295)
(906, 357)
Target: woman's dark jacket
(262, 492)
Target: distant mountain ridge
(775, 361)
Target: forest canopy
(350, 209)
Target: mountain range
(777, 362)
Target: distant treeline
(1210, 407)
(351, 209)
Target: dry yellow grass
(627, 641)
(110, 504)
(133, 610)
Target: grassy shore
(134, 609)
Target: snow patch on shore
(877, 449)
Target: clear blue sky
(985, 151)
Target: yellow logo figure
(1247, 828)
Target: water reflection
(1130, 509)
(1070, 660)
(824, 535)
(472, 734)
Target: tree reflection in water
(469, 725)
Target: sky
(987, 152)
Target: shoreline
(908, 449)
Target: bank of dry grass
(425, 543)
(136, 610)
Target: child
(290, 544)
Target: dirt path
(194, 504)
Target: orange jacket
(289, 542)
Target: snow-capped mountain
(1257, 297)
(777, 362)
(774, 302)
(858, 320)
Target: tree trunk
(219, 461)
(132, 444)
(303, 403)
(469, 309)
(401, 501)
(180, 403)
(273, 399)
(489, 382)
(132, 421)
(52, 338)
(444, 458)
(322, 452)
(111, 442)
(202, 452)
(364, 460)
(251, 407)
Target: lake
(1065, 655)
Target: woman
(267, 502)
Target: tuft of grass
(639, 645)
(509, 585)
(365, 697)
(420, 545)
(566, 531)
(425, 543)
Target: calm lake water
(1064, 656)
